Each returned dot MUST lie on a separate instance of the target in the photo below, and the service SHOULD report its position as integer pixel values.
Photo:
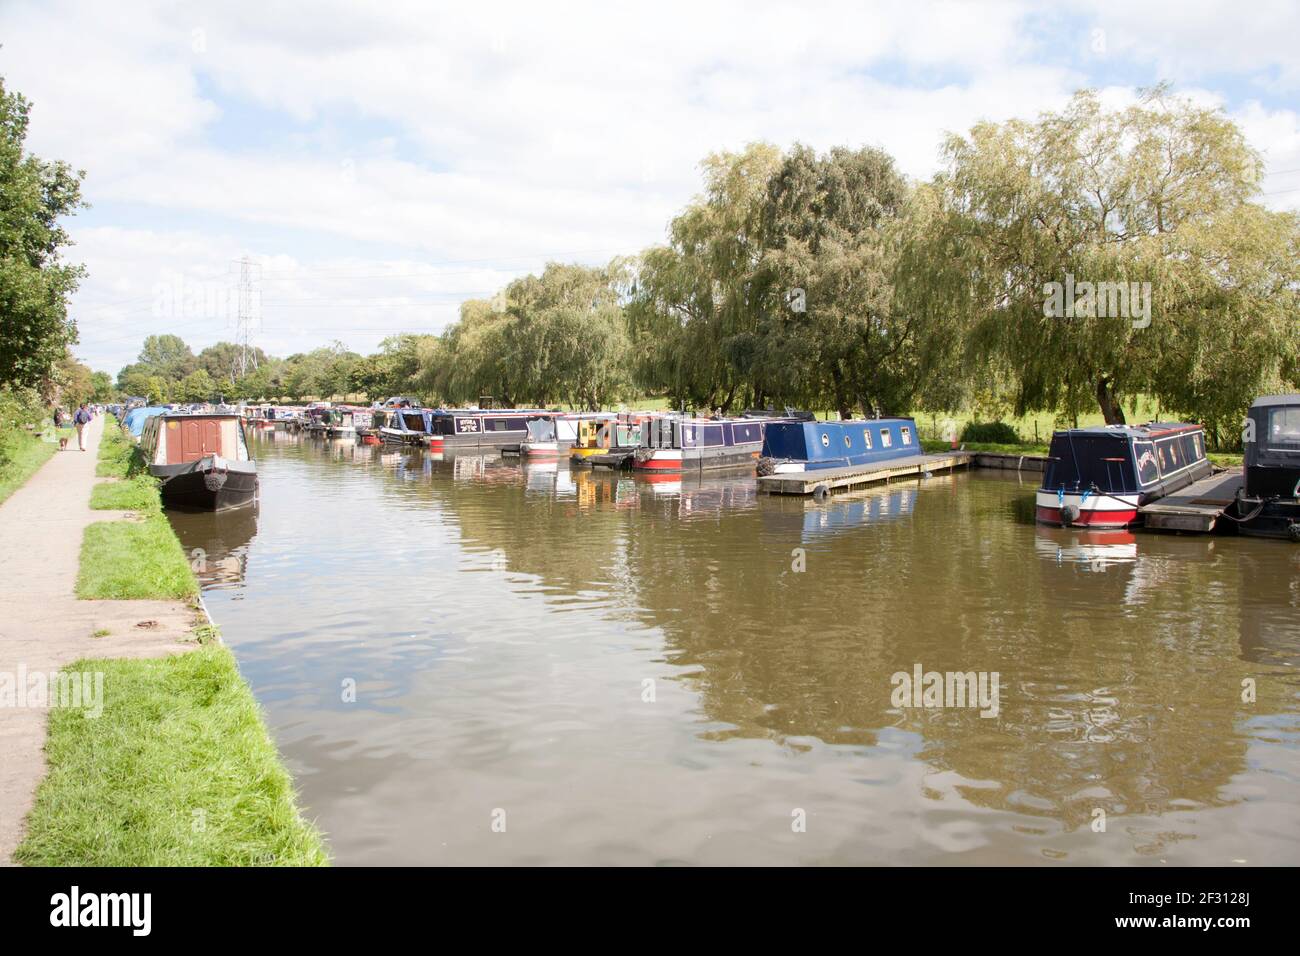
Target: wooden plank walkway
(1197, 507)
(1008, 462)
(854, 476)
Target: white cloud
(379, 137)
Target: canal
(478, 661)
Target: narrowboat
(1099, 477)
(202, 460)
(339, 423)
(454, 429)
(621, 432)
(402, 425)
(797, 445)
(672, 443)
(1268, 506)
(555, 437)
(363, 421)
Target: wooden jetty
(1007, 462)
(1197, 507)
(827, 480)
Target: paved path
(42, 624)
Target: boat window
(886, 439)
(712, 435)
(848, 440)
(866, 437)
(1284, 426)
(826, 440)
(1145, 454)
(1191, 452)
(907, 435)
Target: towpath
(43, 626)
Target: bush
(997, 433)
(19, 408)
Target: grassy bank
(178, 770)
(131, 560)
(20, 457)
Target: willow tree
(696, 309)
(1080, 206)
(834, 335)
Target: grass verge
(20, 457)
(129, 494)
(134, 560)
(178, 770)
(118, 457)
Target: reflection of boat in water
(217, 545)
(1093, 550)
(1099, 477)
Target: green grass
(129, 494)
(20, 457)
(178, 770)
(133, 560)
(118, 454)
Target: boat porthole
(826, 440)
(848, 441)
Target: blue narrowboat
(1269, 504)
(1099, 477)
(795, 446)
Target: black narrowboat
(1268, 506)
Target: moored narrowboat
(1268, 506)
(402, 425)
(454, 429)
(555, 437)
(1099, 477)
(671, 443)
(791, 446)
(202, 460)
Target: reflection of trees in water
(1120, 670)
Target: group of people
(79, 419)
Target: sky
(377, 164)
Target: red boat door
(192, 439)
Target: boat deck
(1195, 508)
(854, 476)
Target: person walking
(81, 420)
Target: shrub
(996, 433)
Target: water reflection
(502, 621)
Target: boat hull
(207, 484)
(1091, 511)
(678, 460)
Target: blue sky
(381, 165)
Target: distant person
(81, 420)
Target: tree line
(823, 280)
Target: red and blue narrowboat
(671, 443)
(455, 429)
(1099, 477)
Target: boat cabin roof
(1274, 401)
(1148, 432)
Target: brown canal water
(626, 672)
